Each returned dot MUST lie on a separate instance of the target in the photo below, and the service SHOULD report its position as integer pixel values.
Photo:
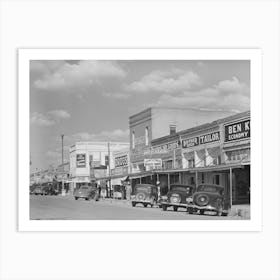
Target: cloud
(230, 95)
(106, 135)
(49, 119)
(59, 114)
(40, 120)
(116, 95)
(62, 76)
(175, 80)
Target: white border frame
(254, 55)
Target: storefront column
(196, 179)
(180, 179)
(168, 178)
(230, 186)
(157, 177)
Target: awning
(222, 167)
(140, 174)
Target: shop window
(216, 179)
(202, 178)
(133, 140)
(146, 136)
(192, 181)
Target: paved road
(66, 208)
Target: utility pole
(62, 162)
(109, 165)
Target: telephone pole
(62, 166)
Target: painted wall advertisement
(237, 131)
(81, 160)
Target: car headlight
(164, 197)
(189, 199)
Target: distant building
(84, 155)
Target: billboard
(81, 160)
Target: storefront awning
(222, 167)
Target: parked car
(179, 196)
(145, 194)
(210, 197)
(86, 192)
(119, 192)
(40, 190)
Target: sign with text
(237, 131)
(162, 149)
(200, 140)
(81, 160)
(121, 161)
(155, 163)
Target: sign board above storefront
(121, 161)
(155, 163)
(200, 140)
(81, 160)
(162, 149)
(237, 131)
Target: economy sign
(81, 160)
(237, 131)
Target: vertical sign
(81, 160)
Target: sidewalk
(242, 210)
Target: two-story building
(85, 155)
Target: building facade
(156, 122)
(214, 153)
(87, 156)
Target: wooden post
(180, 179)
(230, 186)
(196, 179)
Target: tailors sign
(202, 139)
(237, 131)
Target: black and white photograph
(140, 139)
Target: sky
(91, 100)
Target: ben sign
(237, 131)
(81, 160)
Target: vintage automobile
(86, 191)
(179, 196)
(210, 198)
(145, 194)
(40, 190)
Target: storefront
(236, 149)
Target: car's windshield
(209, 188)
